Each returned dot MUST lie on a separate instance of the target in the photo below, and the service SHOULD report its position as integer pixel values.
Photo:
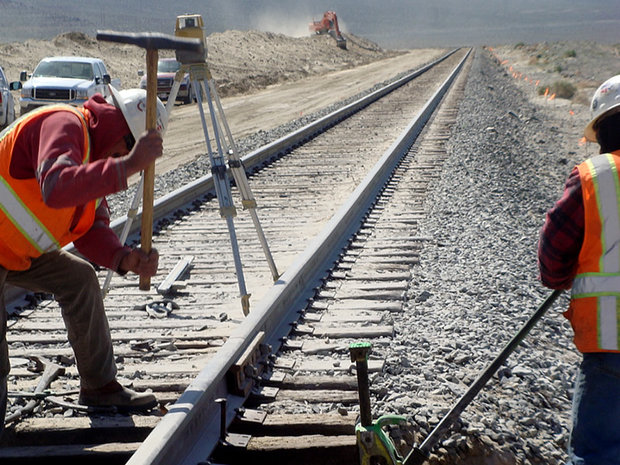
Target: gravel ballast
(477, 282)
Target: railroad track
(346, 268)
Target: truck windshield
(64, 69)
(168, 66)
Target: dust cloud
(281, 23)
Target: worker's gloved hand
(147, 149)
(139, 262)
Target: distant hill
(241, 61)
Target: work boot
(115, 395)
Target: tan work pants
(74, 283)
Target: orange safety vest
(28, 227)
(594, 311)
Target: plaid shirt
(562, 236)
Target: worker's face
(117, 150)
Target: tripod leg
(131, 215)
(216, 126)
(220, 110)
(245, 297)
(238, 172)
(263, 242)
(172, 95)
(222, 190)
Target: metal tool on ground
(51, 371)
(419, 455)
(88, 409)
(375, 445)
(152, 42)
(203, 85)
(158, 308)
(171, 281)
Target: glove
(141, 263)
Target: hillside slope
(240, 61)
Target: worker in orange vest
(579, 249)
(57, 163)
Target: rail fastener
(246, 371)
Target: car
(7, 104)
(71, 80)
(166, 71)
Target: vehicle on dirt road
(166, 70)
(7, 105)
(71, 80)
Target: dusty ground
(268, 79)
(264, 79)
(581, 66)
(240, 61)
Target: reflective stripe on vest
(602, 280)
(24, 220)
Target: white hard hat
(132, 103)
(606, 101)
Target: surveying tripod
(202, 84)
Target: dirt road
(264, 79)
(278, 104)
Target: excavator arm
(329, 25)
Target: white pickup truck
(71, 80)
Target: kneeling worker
(57, 164)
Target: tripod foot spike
(245, 304)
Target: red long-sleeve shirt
(50, 149)
(562, 236)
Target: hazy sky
(390, 23)
(397, 23)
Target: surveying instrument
(193, 63)
(202, 84)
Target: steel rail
(190, 431)
(204, 185)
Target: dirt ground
(540, 70)
(582, 64)
(263, 79)
(267, 79)
(241, 61)
(277, 104)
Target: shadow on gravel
(455, 449)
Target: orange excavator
(329, 25)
